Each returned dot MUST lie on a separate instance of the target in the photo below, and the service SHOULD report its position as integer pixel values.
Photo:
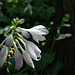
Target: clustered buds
(21, 21)
(63, 36)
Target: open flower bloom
(18, 58)
(37, 32)
(31, 48)
(26, 57)
(3, 55)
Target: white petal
(38, 38)
(33, 31)
(35, 48)
(38, 27)
(28, 59)
(3, 55)
(18, 59)
(31, 52)
(45, 31)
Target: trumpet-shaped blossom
(31, 48)
(37, 32)
(18, 58)
(3, 55)
(26, 57)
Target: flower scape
(15, 38)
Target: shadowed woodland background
(44, 12)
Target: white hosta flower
(67, 35)
(37, 32)
(63, 36)
(67, 25)
(18, 58)
(27, 57)
(31, 49)
(3, 55)
(9, 41)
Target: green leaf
(67, 16)
(1, 31)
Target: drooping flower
(18, 58)
(31, 48)
(9, 41)
(26, 57)
(37, 32)
(3, 55)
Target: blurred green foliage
(34, 12)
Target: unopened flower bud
(14, 20)
(6, 30)
(18, 31)
(21, 21)
(9, 41)
(26, 34)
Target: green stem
(2, 42)
(54, 40)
